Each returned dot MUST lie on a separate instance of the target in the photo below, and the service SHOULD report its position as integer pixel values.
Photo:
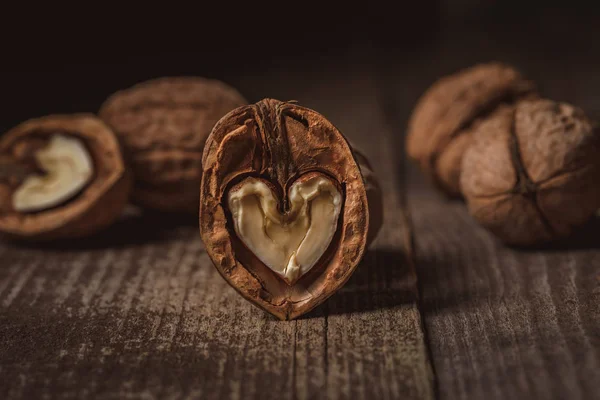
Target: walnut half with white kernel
(287, 206)
(61, 176)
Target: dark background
(70, 60)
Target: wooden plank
(140, 312)
(502, 323)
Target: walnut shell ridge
(99, 204)
(448, 114)
(531, 175)
(163, 124)
(280, 142)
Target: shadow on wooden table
(134, 228)
(384, 279)
(466, 273)
(586, 237)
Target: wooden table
(437, 309)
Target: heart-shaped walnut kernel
(284, 212)
(288, 243)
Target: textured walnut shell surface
(374, 193)
(448, 114)
(281, 143)
(98, 205)
(531, 175)
(163, 124)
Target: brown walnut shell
(281, 143)
(531, 175)
(163, 124)
(94, 208)
(448, 114)
(374, 193)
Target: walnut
(163, 124)
(287, 206)
(61, 176)
(531, 174)
(448, 114)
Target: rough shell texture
(163, 124)
(446, 117)
(374, 194)
(280, 142)
(531, 175)
(96, 207)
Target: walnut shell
(282, 143)
(447, 116)
(374, 194)
(95, 207)
(531, 175)
(163, 124)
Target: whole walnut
(531, 174)
(448, 114)
(163, 124)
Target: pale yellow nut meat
(68, 169)
(290, 244)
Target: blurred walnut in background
(532, 173)
(61, 177)
(448, 115)
(163, 125)
(527, 167)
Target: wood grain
(504, 323)
(140, 312)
